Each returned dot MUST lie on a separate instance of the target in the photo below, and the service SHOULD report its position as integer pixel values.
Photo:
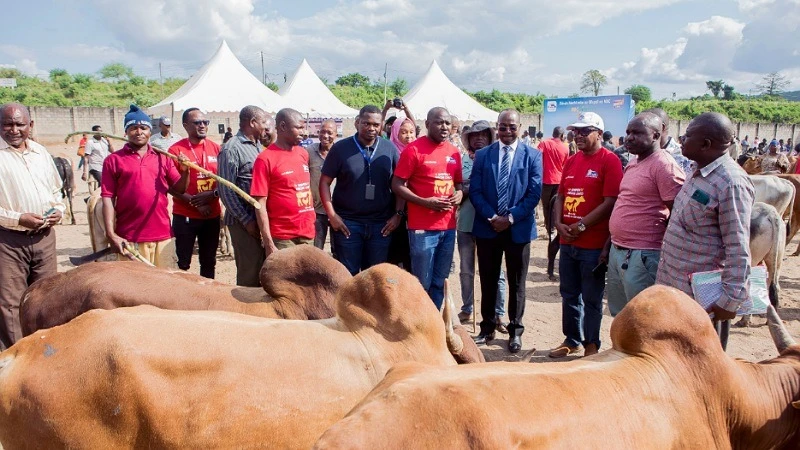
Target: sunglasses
(201, 122)
(584, 131)
(505, 128)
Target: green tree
(640, 93)
(398, 87)
(61, 78)
(728, 92)
(773, 83)
(593, 82)
(116, 72)
(353, 80)
(715, 86)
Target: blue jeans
(581, 295)
(624, 284)
(466, 252)
(365, 247)
(431, 255)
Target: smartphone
(49, 211)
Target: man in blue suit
(505, 186)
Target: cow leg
(71, 210)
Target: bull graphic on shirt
(443, 187)
(571, 204)
(304, 198)
(205, 185)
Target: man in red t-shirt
(589, 187)
(195, 213)
(135, 183)
(428, 177)
(282, 184)
(554, 155)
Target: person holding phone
(589, 187)
(30, 204)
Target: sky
(531, 46)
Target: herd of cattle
(118, 354)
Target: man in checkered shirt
(709, 228)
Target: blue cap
(136, 117)
(773, 142)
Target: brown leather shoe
(464, 316)
(590, 349)
(500, 326)
(563, 350)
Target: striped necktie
(502, 183)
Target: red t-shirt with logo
(554, 156)
(283, 177)
(204, 155)
(586, 180)
(431, 170)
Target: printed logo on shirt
(571, 204)
(305, 168)
(443, 187)
(591, 174)
(212, 159)
(451, 160)
(303, 193)
(430, 161)
(288, 172)
(205, 185)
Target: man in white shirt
(96, 150)
(30, 204)
(164, 139)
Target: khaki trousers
(160, 253)
(24, 259)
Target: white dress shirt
(29, 183)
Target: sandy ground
(543, 309)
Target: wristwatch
(581, 227)
(216, 193)
(510, 219)
(400, 213)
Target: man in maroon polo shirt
(135, 183)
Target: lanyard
(367, 159)
(200, 161)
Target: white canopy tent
(305, 92)
(223, 84)
(435, 89)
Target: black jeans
(206, 233)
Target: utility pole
(617, 90)
(385, 81)
(263, 73)
(161, 80)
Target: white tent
(305, 92)
(223, 84)
(435, 89)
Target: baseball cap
(588, 119)
(773, 142)
(165, 120)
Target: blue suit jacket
(524, 190)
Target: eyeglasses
(504, 128)
(584, 131)
(201, 122)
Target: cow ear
(796, 404)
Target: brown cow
(146, 377)
(300, 283)
(665, 384)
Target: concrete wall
(53, 123)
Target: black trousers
(490, 257)
(206, 233)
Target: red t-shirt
(586, 181)
(282, 176)
(431, 170)
(554, 156)
(204, 155)
(139, 185)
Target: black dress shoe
(483, 339)
(514, 344)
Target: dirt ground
(543, 309)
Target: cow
(767, 245)
(666, 383)
(147, 377)
(794, 221)
(751, 163)
(775, 191)
(298, 283)
(64, 168)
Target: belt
(619, 247)
(25, 232)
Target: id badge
(370, 193)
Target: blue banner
(616, 111)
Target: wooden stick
(190, 164)
(136, 255)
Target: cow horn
(780, 335)
(454, 342)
